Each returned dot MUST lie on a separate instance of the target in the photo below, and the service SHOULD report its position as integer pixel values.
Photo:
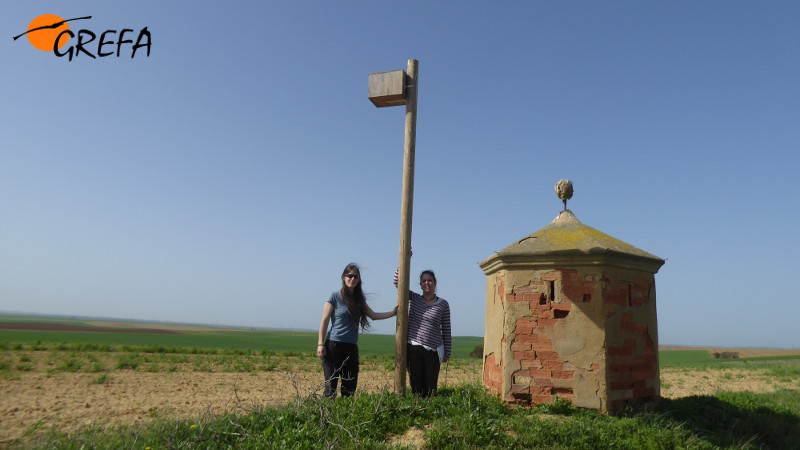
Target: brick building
(571, 312)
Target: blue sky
(229, 177)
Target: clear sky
(230, 176)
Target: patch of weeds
(243, 366)
(172, 368)
(270, 367)
(154, 349)
(127, 361)
(25, 367)
(203, 351)
(71, 365)
(3, 365)
(96, 367)
(101, 379)
(34, 428)
(202, 366)
(18, 346)
(38, 346)
(177, 359)
(24, 358)
(237, 351)
(559, 405)
(152, 368)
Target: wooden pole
(401, 334)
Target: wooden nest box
(387, 88)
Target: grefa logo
(51, 33)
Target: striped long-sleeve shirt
(428, 325)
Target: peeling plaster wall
(588, 335)
(541, 341)
(495, 315)
(493, 332)
(579, 338)
(554, 331)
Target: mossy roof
(568, 242)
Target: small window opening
(542, 299)
(552, 293)
(562, 391)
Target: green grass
(462, 417)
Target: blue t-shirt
(342, 328)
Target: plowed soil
(38, 399)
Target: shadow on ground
(760, 420)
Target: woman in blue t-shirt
(346, 310)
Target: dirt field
(38, 398)
(68, 400)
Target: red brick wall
(493, 374)
(632, 373)
(630, 364)
(540, 364)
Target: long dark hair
(355, 300)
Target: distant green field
(674, 358)
(701, 359)
(282, 341)
(279, 341)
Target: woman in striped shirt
(429, 341)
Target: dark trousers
(423, 370)
(340, 361)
